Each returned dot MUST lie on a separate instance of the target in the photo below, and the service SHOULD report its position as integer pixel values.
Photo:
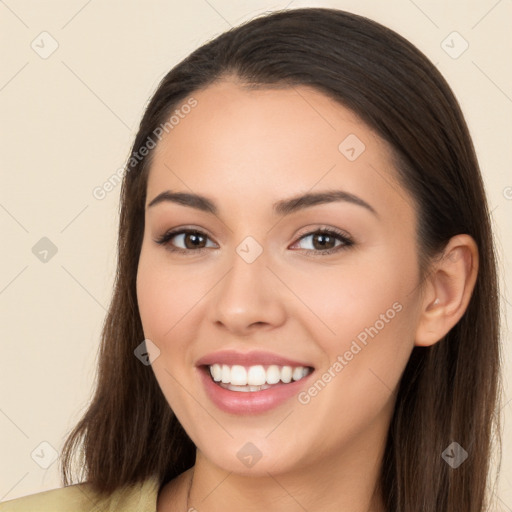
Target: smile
(255, 378)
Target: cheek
(364, 373)
(152, 301)
(343, 302)
(166, 298)
(362, 317)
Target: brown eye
(188, 240)
(194, 240)
(325, 241)
(322, 241)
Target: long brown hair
(448, 392)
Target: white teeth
(255, 378)
(216, 371)
(297, 374)
(286, 374)
(238, 375)
(273, 374)
(226, 374)
(244, 389)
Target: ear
(448, 289)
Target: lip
(255, 357)
(250, 402)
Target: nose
(249, 297)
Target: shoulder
(140, 497)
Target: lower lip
(249, 402)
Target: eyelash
(339, 235)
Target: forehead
(265, 144)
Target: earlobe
(448, 290)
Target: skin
(245, 149)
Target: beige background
(68, 122)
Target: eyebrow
(282, 207)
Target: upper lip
(253, 358)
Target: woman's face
(254, 297)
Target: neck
(346, 480)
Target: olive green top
(80, 498)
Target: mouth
(253, 382)
(255, 378)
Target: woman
(305, 313)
